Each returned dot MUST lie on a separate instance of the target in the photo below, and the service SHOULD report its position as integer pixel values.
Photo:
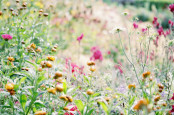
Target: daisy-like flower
(117, 30)
(6, 37)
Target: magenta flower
(135, 25)
(73, 110)
(172, 110)
(97, 54)
(6, 37)
(171, 7)
(144, 30)
(160, 31)
(172, 98)
(170, 23)
(80, 37)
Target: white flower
(117, 29)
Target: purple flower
(171, 7)
(80, 37)
(6, 37)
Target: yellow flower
(51, 58)
(140, 104)
(89, 92)
(33, 45)
(9, 86)
(52, 90)
(11, 59)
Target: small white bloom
(117, 29)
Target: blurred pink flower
(135, 25)
(170, 23)
(119, 67)
(73, 66)
(6, 37)
(144, 30)
(97, 54)
(172, 98)
(160, 31)
(80, 38)
(109, 52)
(171, 7)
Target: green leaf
(23, 100)
(64, 87)
(79, 105)
(22, 80)
(39, 104)
(90, 112)
(105, 108)
(41, 78)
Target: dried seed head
(59, 88)
(17, 1)
(11, 9)
(58, 74)
(45, 14)
(90, 63)
(24, 4)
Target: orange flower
(40, 113)
(58, 74)
(89, 92)
(131, 86)
(90, 63)
(146, 74)
(160, 86)
(48, 64)
(52, 90)
(33, 45)
(140, 104)
(9, 86)
(11, 59)
(63, 97)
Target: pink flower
(144, 30)
(155, 22)
(135, 25)
(172, 98)
(160, 31)
(167, 33)
(109, 52)
(74, 66)
(119, 68)
(73, 110)
(80, 37)
(97, 55)
(170, 23)
(172, 110)
(6, 37)
(171, 7)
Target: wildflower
(119, 68)
(51, 58)
(59, 88)
(9, 86)
(171, 23)
(164, 104)
(72, 110)
(172, 110)
(43, 64)
(53, 50)
(89, 92)
(11, 59)
(157, 98)
(40, 113)
(172, 98)
(17, 1)
(171, 7)
(48, 64)
(24, 4)
(160, 31)
(6, 37)
(135, 25)
(92, 69)
(90, 63)
(117, 30)
(131, 86)
(39, 50)
(33, 45)
(58, 74)
(52, 90)
(45, 14)
(144, 30)
(146, 74)
(80, 38)
(141, 104)
(160, 86)
(97, 54)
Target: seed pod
(59, 88)
(160, 90)
(53, 50)
(24, 4)
(12, 92)
(70, 99)
(48, 64)
(157, 98)
(45, 14)
(58, 74)
(160, 86)
(65, 108)
(90, 63)
(40, 113)
(164, 104)
(40, 11)
(17, 1)
(89, 92)
(1, 13)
